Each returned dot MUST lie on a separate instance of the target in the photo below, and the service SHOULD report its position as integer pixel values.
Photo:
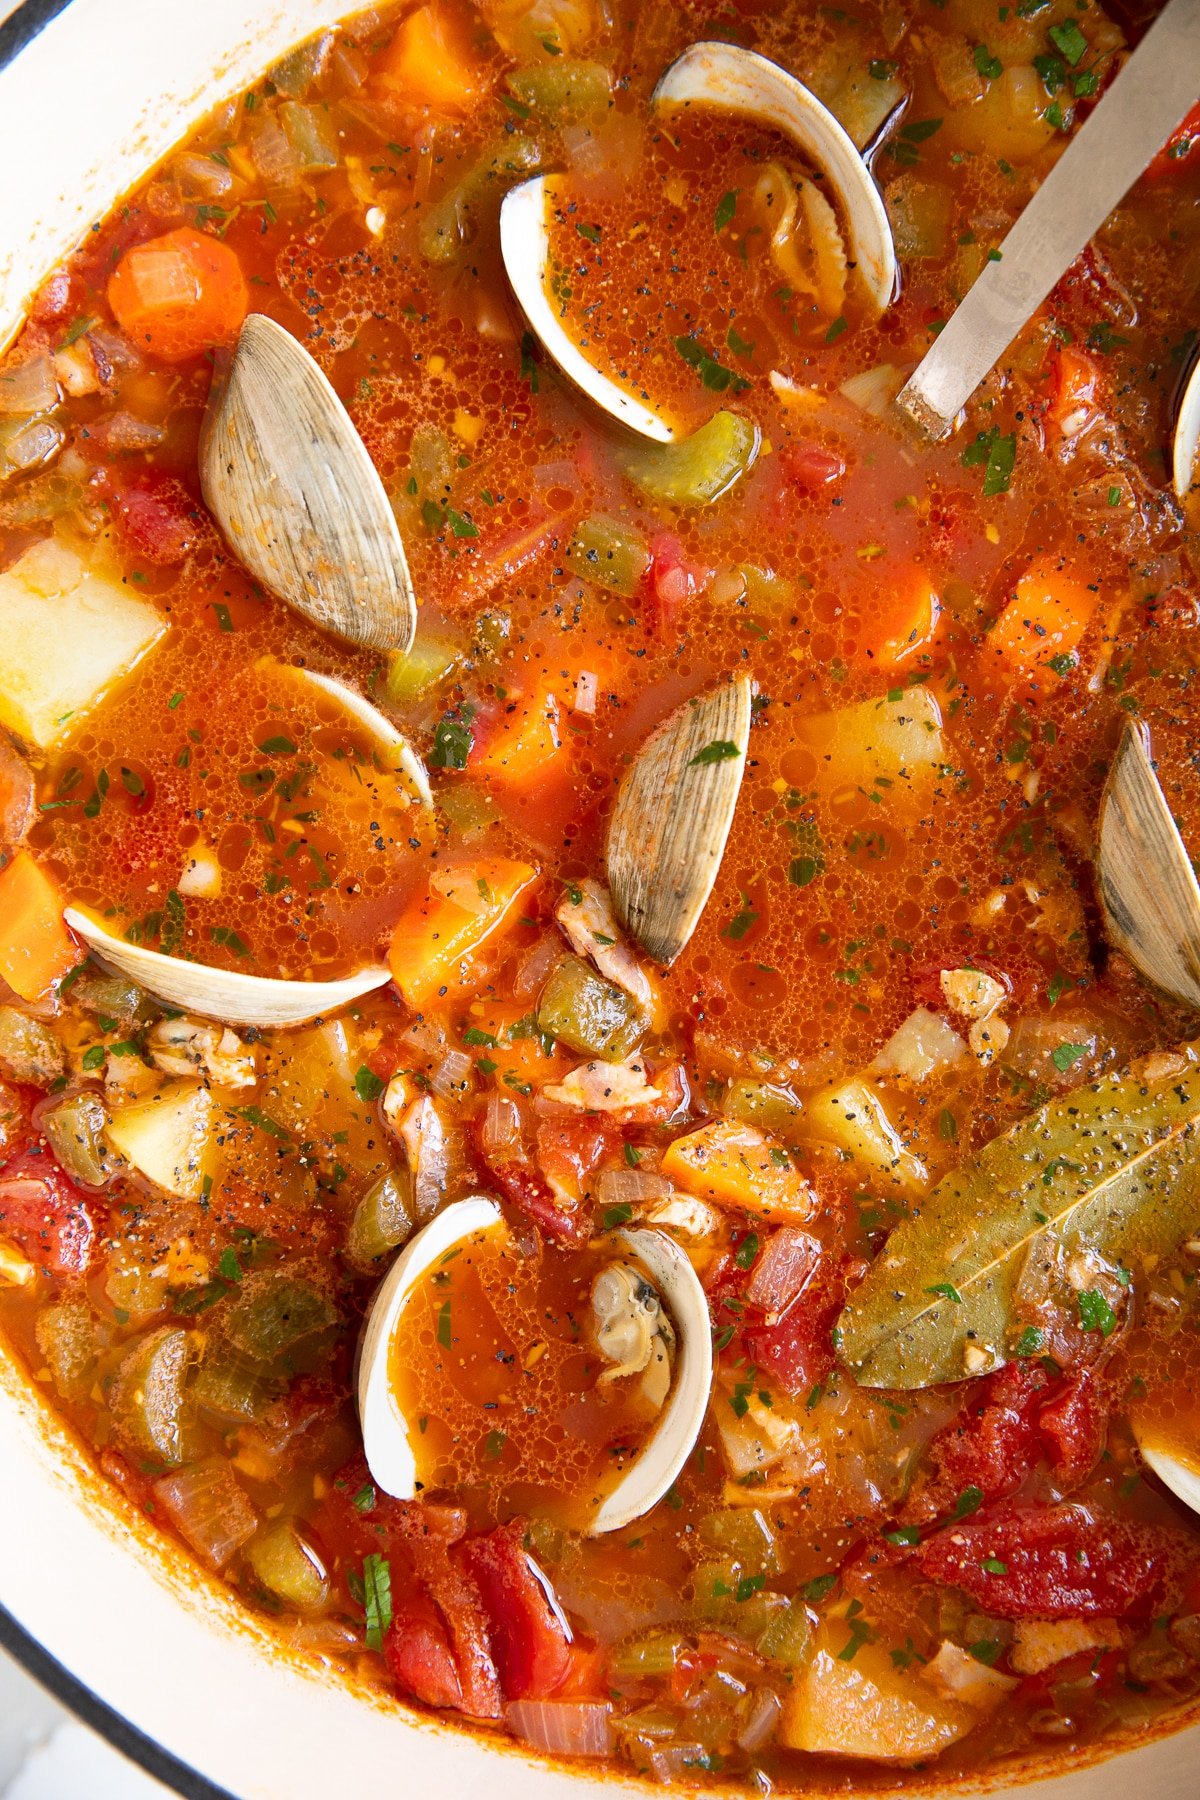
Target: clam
(1180, 1475)
(525, 248)
(651, 1320)
(1185, 462)
(299, 501)
(672, 817)
(1148, 888)
(223, 994)
(742, 81)
(386, 1441)
(396, 750)
(671, 1351)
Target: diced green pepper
(589, 1014)
(310, 133)
(382, 1219)
(743, 1533)
(701, 468)
(29, 1050)
(452, 220)
(763, 589)
(75, 1128)
(564, 86)
(653, 1653)
(230, 1387)
(609, 553)
(411, 675)
(278, 1315)
(763, 1103)
(785, 1639)
(148, 1397)
(287, 1566)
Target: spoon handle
(1155, 90)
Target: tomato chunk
(178, 295)
(530, 1640)
(418, 1654)
(43, 1210)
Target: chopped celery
(231, 1388)
(66, 1337)
(653, 1653)
(714, 1589)
(470, 811)
(589, 1014)
(411, 675)
(763, 1103)
(75, 1127)
(382, 1219)
(148, 1398)
(565, 86)
(112, 997)
(136, 1281)
(862, 102)
(701, 468)
(29, 1051)
(295, 73)
(609, 553)
(648, 1722)
(743, 1533)
(451, 221)
(288, 1567)
(785, 1639)
(921, 213)
(278, 1315)
(310, 133)
(763, 588)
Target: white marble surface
(46, 1754)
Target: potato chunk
(168, 1138)
(866, 1707)
(69, 637)
(895, 741)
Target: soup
(706, 893)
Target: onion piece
(586, 688)
(759, 1728)
(563, 1727)
(873, 390)
(536, 965)
(501, 1128)
(631, 1187)
(452, 1076)
(208, 1506)
(783, 1270)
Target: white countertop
(46, 1754)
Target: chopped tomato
(178, 295)
(530, 1193)
(568, 1151)
(157, 517)
(43, 1210)
(1074, 379)
(807, 467)
(418, 1654)
(796, 1352)
(1073, 1425)
(670, 581)
(1180, 148)
(530, 1639)
(1060, 1562)
(455, 1593)
(991, 1446)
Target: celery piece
(230, 1388)
(609, 553)
(653, 1653)
(921, 213)
(414, 673)
(277, 1315)
(29, 1051)
(701, 468)
(311, 136)
(743, 1533)
(66, 1337)
(564, 86)
(382, 1219)
(75, 1129)
(135, 1280)
(295, 73)
(771, 1107)
(288, 1567)
(450, 221)
(714, 1589)
(587, 1013)
(470, 811)
(112, 997)
(764, 589)
(785, 1639)
(148, 1396)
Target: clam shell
(393, 742)
(1148, 888)
(669, 826)
(673, 1438)
(1183, 1478)
(525, 248)
(1185, 461)
(223, 994)
(299, 501)
(742, 81)
(384, 1428)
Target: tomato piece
(1073, 1424)
(531, 1642)
(670, 581)
(1063, 1561)
(180, 294)
(795, 1352)
(418, 1654)
(47, 1215)
(809, 467)
(157, 517)
(1074, 379)
(456, 1595)
(568, 1151)
(991, 1446)
(1179, 149)
(530, 1193)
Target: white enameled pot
(92, 92)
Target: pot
(146, 1647)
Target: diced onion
(759, 1728)
(874, 389)
(210, 1509)
(452, 1076)
(586, 687)
(631, 1187)
(29, 387)
(783, 1269)
(564, 1727)
(501, 1128)
(536, 965)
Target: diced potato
(971, 993)
(16, 1270)
(896, 740)
(867, 1707)
(734, 1164)
(428, 65)
(957, 1675)
(169, 1138)
(918, 1048)
(754, 1439)
(851, 1116)
(69, 637)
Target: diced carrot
(525, 741)
(507, 1038)
(426, 64)
(735, 1165)
(179, 295)
(1046, 617)
(35, 947)
(461, 909)
(911, 621)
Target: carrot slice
(427, 65)
(524, 742)
(736, 1165)
(180, 294)
(459, 911)
(35, 947)
(1045, 618)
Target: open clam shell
(396, 750)
(223, 994)
(742, 81)
(299, 501)
(1181, 1475)
(386, 1442)
(1185, 459)
(671, 821)
(1148, 888)
(525, 248)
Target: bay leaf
(1112, 1168)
